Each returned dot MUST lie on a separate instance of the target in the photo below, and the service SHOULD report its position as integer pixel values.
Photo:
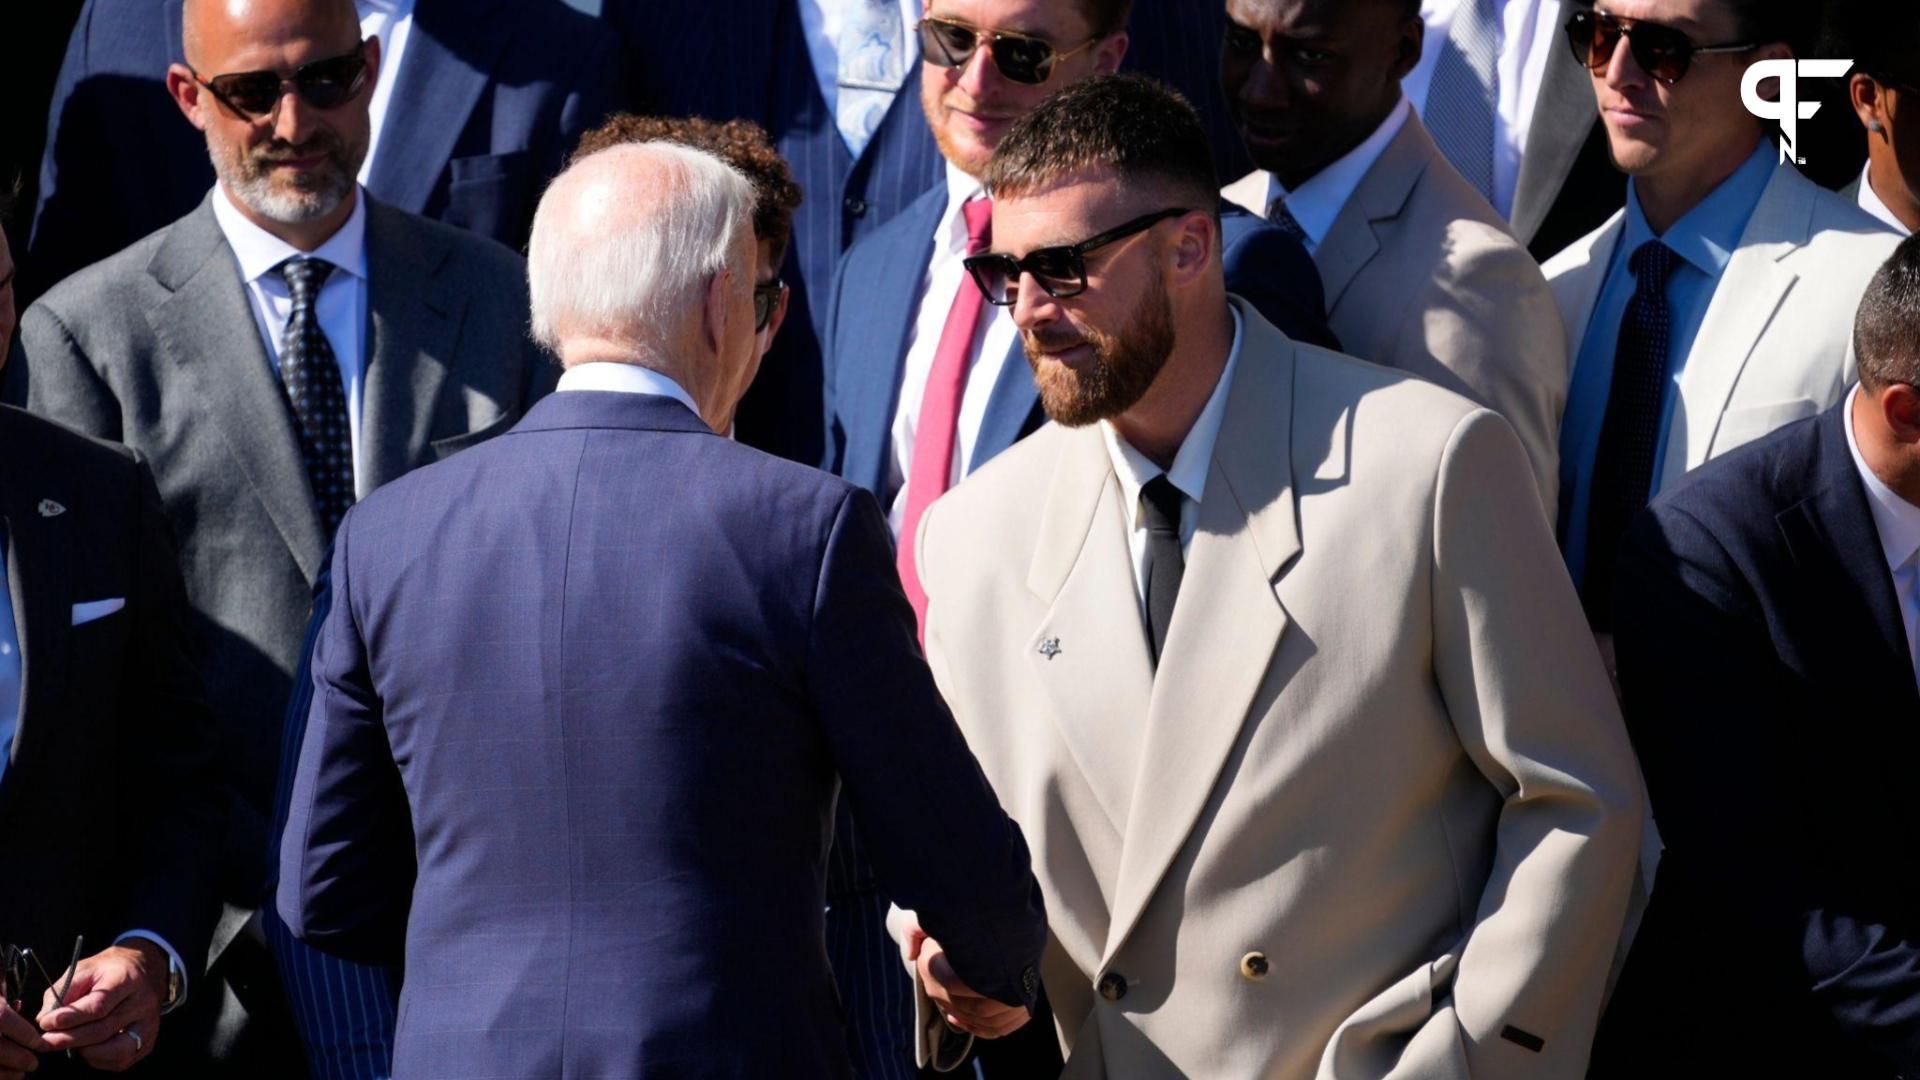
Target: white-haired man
(613, 669)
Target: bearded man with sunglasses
(1270, 653)
(282, 350)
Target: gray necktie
(1160, 504)
(1466, 92)
(873, 66)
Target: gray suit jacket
(156, 347)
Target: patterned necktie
(937, 428)
(1630, 432)
(311, 375)
(1278, 213)
(873, 66)
(1466, 92)
(1160, 503)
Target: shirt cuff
(171, 955)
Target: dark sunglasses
(766, 297)
(1061, 271)
(1020, 58)
(323, 84)
(1661, 51)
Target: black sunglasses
(1020, 57)
(1661, 51)
(766, 297)
(323, 84)
(1061, 271)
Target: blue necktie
(1630, 432)
(311, 375)
(1278, 213)
(1466, 92)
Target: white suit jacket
(1375, 815)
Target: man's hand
(20, 1045)
(112, 1015)
(965, 1009)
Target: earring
(1876, 127)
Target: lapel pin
(49, 508)
(1050, 648)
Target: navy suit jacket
(877, 299)
(583, 700)
(1770, 695)
(493, 95)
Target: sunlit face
(1688, 128)
(970, 107)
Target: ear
(1769, 89)
(778, 317)
(1868, 104)
(187, 94)
(1413, 36)
(1900, 404)
(714, 316)
(1108, 54)
(1194, 248)
(373, 67)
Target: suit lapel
(412, 322)
(1011, 408)
(1751, 290)
(1226, 626)
(1090, 649)
(206, 328)
(886, 291)
(1355, 237)
(39, 567)
(1577, 274)
(450, 55)
(1562, 119)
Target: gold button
(1253, 966)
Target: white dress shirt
(1870, 201)
(391, 21)
(820, 21)
(622, 378)
(1529, 31)
(341, 306)
(1319, 201)
(1898, 523)
(1189, 472)
(994, 338)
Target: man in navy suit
(480, 102)
(615, 698)
(1768, 613)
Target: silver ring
(138, 1045)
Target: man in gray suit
(285, 348)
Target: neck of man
(304, 236)
(1293, 174)
(1666, 197)
(1159, 422)
(1886, 456)
(706, 392)
(1883, 173)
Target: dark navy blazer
(1771, 698)
(582, 704)
(493, 95)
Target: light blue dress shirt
(9, 662)
(1704, 238)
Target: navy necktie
(1630, 432)
(311, 375)
(1278, 213)
(1166, 563)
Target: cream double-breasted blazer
(1375, 814)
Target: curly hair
(740, 143)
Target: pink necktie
(934, 434)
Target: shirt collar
(259, 251)
(1190, 465)
(1707, 235)
(1317, 202)
(619, 378)
(1894, 518)
(1871, 202)
(383, 7)
(961, 190)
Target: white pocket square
(97, 609)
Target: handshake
(942, 1000)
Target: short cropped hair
(1882, 40)
(740, 143)
(1109, 17)
(1886, 329)
(635, 281)
(1140, 130)
(1764, 22)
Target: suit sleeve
(943, 846)
(1535, 713)
(346, 862)
(1274, 273)
(50, 374)
(174, 800)
(1696, 661)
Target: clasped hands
(111, 1018)
(964, 1008)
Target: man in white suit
(1419, 270)
(1717, 306)
(1270, 653)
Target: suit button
(855, 207)
(1113, 986)
(1253, 966)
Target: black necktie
(1165, 562)
(1630, 433)
(311, 376)
(1278, 213)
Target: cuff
(172, 954)
(936, 1045)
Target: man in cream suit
(1379, 813)
(1419, 270)
(1717, 306)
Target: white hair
(626, 240)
